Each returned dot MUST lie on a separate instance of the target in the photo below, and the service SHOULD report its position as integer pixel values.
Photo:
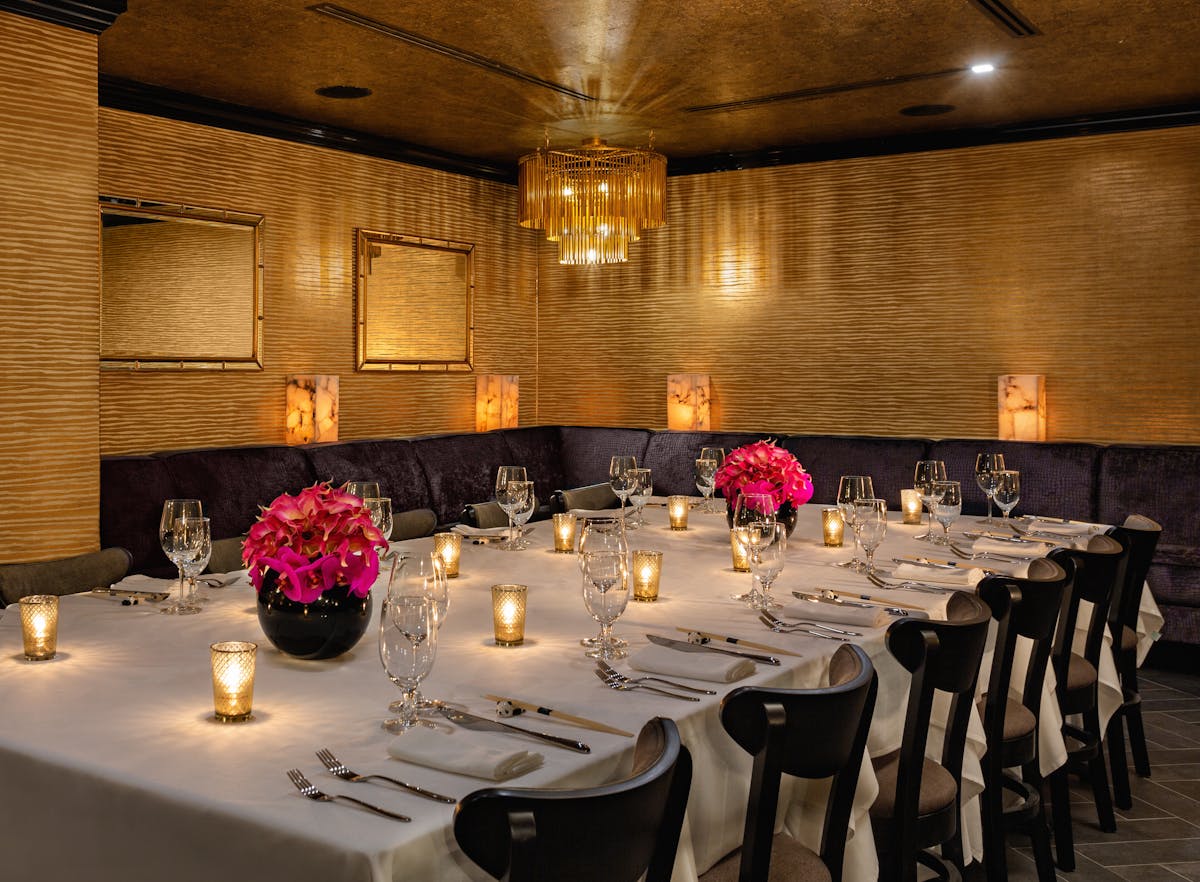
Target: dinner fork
(985, 555)
(613, 683)
(923, 587)
(337, 767)
(308, 789)
(799, 628)
(773, 620)
(614, 674)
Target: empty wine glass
(363, 489)
(706, 472)
(870, 518)
(947, 507)
(986, 466)
(522, 515)
(716, 454)
(380, 510)
(851, 488)
(407, 646)
(927, 472)
(1008, 491)
(643, 488)
(194, 536)
(754, 521)
(605, 595)
(618, 476)
(510, 498)
(421, 575)
(173, 511)
(766, 565)
(603, 534)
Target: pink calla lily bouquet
(764, 467)
(316, 540)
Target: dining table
(114, 768)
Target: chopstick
(738, 641)
(560, 715)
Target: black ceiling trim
(1007, 18)
(90, 16)
(1097, 124)
(138, 97)
(821, 91)
(355, 18)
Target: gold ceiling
(487, 80)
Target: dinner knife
(684, 646)
(471, 721)
(911, 612)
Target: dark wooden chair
(1142, 535)
(1097, 571)
(918, 803)
(808, 733)
(1026, 608)
(612, 833)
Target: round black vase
(786, 515)
(325, 628)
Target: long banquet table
(112, 767)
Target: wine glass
(173, 511)
(407, 646)
(870, 518)
(522, 515)
(947, 507)
(986, 466)
(1008, 491)
(926, 473)
(620, 479)
(510, 498)
(643, 488)
(194, 538)
(754, 521)
(603, 534)
(605, 594)
(851, 488)
(706, 473)
(421, 575)
(767, 564)
(718, 455)
(363, 489)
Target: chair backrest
(1097, 570)
(809, 733)
(1142, 535)
(68, 575)
(591, 498)
(612, 833)
(484, 514)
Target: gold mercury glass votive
(39, 626)
(647, 568)
(233, 680)
(508, 614)
(564, 533)
(448, 546)
(741, 555)
(832, 527)
(677, 511)
(910, 504)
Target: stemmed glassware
(422, 575)
(619, 477)
(643, 489)
(925, 475)
(195, 538)
(986, 467)
(511, 489)
(706, 472)
(754, 521)
(522, 515)
(605, 595)
(363, 489)
(717, 455)
(171, 539)
(766, 564)
(870, 517)
(852, 488)
(947, 508)
(603, 535)
(1008, 491)
(407, 646)
(380, 510)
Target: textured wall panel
(884, 295)
(49, 308)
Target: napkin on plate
(467, 530)
(139, 582)
(711, 666)
(477, 754)
(819, 611)
(1011, 549)
(960, 577)
(1058, 528)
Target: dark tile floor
(1158, 840)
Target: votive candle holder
(910, 506)
(564, 532)
(833, 527)
(508, 614)
(448, 546)
(677, 511)
(647, 570)
(741, 554)
(39, 626)
(233, 680)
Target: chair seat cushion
(1081, 674)
(938, 787)
(789, 861)
(1128, 639)
(1019, 721)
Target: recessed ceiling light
(982, 68)
(343, 92)
(927, 109)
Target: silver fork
(775, 623)
(308, 789)
(337, 767)
(612, 683)
(985, 555)
(614, 674)
(923, 587)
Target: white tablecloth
(113, 768)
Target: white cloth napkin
(583, 513)
(139, 582)
(467, 530)
(819, 611)
(1011, 549)
(477, 754)
(1058, 528)
(711, 666)
(961, 577)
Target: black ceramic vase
(786, 515)
(329, 626)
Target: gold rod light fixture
(592, 200)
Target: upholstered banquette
(447, 472)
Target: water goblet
(407, 646)
(947, 507)
(603, 534)
(766, 565)
(421, 575)
(363, 489)
(706, 473)
(986, 466)
(173, 510)
(925, 474)
(510, 498)
(870, 517)
(619, 477)
(851, 488)
(717, 454)
(521, 517)
(195, 541)
(1008, 491)
(605, 595)
(643, 488)
(380, 510)
(754, 521)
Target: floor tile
(1190, 789)
(1161, 851)
(1187, 870)
(1087, 830)
(1147, 873)
(1176, 771)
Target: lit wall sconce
(1021, 407)
(233, 680)
(508, 614)
(312, 408)
(497, 401)
(39, 626)
(688, 402)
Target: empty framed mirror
(180, 286)
(413, 301)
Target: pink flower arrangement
(764, 467)
(316, 540)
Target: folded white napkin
(961, 577)
(1058, 528)
(477, 754)
(1012, 549)
(583, 513)
(467, 530)
(139, 582)
(712, 666)
(819, 611)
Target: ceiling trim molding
(122, 94)
(90, 16)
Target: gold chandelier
(592, 200)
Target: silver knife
(837, 601)
(471, 721)
(684, 646)
(923, 562)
